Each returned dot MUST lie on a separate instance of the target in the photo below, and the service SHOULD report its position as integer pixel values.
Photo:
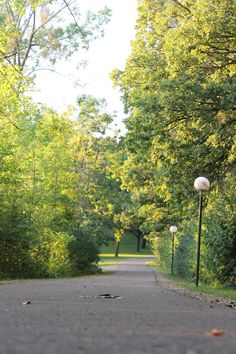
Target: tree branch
(9, 62)
(26, 24)
(181, 5)
(50, 18)
(30, 40)
(10, 12)
(67, 5)
(9, 119)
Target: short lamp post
(173, 230)
(201, 184)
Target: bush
(162, 249)
(83, 254)
(220, 241)
(49, 254)
(15, 259)
(185, 252)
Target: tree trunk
(138, 241)
(117, 249)
(144, 242)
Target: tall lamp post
(173, 230)
(201, 184)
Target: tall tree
(178, 87)
(35, 30)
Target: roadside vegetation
(178, 88)
(69, 186)
(216, 290)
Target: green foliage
(164, 250)
(83, 253)
(36, 30)
(220, 234)
(64, 182)
(55, 169)
(219, 291)
(185, 253)
(50, 253)
(128, 249)
(15, 259)
(55, 177)
(178, 88)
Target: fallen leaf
(215, 332)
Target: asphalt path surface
(133, 315)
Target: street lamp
(173, 230)
(201, 184)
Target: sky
(58, 90)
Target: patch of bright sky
(58, 90)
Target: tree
(94, 156)
(35, 30)
(57, 191)
(178, 87)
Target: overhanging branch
(181, 5)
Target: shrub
(83, 253)
(15, 259)
(185, 252)
(50, 253)
(220, 241)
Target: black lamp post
(173, 230)
(201, 184)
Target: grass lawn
(228, 293)
(128, 249)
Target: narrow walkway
(133, 315)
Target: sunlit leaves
(47, 29)
(178, 87)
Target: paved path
(68, 316)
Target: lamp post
(201, 184)
(173, 230)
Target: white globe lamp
(201, 184)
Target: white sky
(59, 91)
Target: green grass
(128, 249)
(208, 289)
(227, 293)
